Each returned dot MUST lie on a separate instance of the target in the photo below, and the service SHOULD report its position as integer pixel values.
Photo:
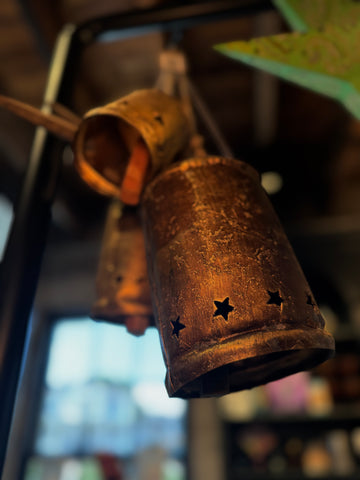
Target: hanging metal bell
(230, 300)
(122, 285)
(142, 131)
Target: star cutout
(275, 298)
(223, 308)
(310, 301)
(177, 326)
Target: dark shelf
(345, 416)
(249, 474)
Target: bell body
(122, 285)
(108, 135)
(230, 300)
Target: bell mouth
(248, 370)
(102, 149)
(252, 372)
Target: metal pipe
(22, 259)
(172, 18)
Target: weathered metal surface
(146, 120)
(303, 15)
(230, 300)
(123, 291)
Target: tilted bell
(231, 303)
(118, 147)
(122, 285)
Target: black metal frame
(22, 259)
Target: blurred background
(90, 392)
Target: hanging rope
(174, 80)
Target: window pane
(105, 392)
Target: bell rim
(317, 345)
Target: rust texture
(123, 291)
(109, 136)
(231, 303)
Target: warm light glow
(271, 182)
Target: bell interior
(105, 148)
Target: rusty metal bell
(142, 131)
(231, 303)
(122, 285)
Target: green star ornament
(303, 15)
(327, 62)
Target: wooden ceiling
(309, 139)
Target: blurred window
(104, 392)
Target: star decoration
(223, 308)
(321, 60)
(302, 16)
(275, 298)
(177, 326)
(310, 301)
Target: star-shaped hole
(275, 298)
(159, 119)
(223, 308)
(310, 300)
(177, 326)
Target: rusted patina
(231, 303)
(120, 146)
(123, 291)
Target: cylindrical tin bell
(148, 120)
(122, 285)
(230, 300)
